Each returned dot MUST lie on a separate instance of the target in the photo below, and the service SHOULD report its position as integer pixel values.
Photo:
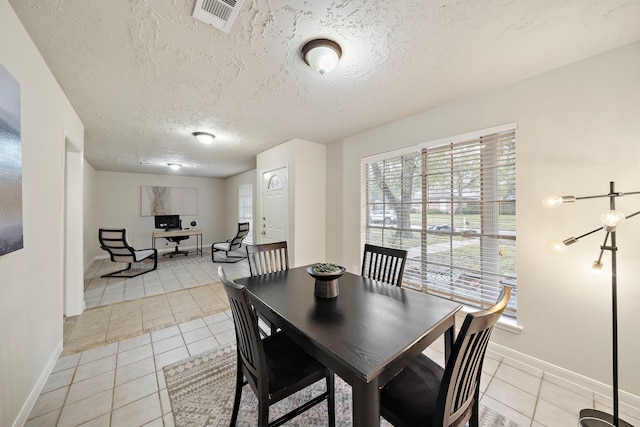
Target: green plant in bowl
(326, 275)
(326, 267)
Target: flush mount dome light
(174, 166)
(322, 55)
(204, 137)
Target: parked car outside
(388, 216)
(447, 228)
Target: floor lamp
(611, 219)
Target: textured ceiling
(144, 74)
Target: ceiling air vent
(217, 13)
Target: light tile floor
(172, 274)
(121, 383)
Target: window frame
(243, 196)
(489, 275)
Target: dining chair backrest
(459, 390)
(248, 339)
(267, 258)
(384, 264)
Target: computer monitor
(168, 222)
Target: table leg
(366, 404)
(448, 342)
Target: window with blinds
(452, 207)
(245, 209)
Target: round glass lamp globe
(612, 218)
(322, 59)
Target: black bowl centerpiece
(326, 275)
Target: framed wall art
(168, 201)
(11, 222)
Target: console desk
(177, 233)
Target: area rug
(201, 390)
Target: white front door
(274, 206)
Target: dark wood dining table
(366, 335)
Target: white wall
(578, 129)
(31, 291)
(309, 203)
(91, 198)
(231, 203)
(306, 196)
(118, 205)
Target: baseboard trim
(596, 386)
(26, 409)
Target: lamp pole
(614, 307)
(593, 417)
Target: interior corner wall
(31, 298)
(335, 218)
(119, 202)
(232, 206)
(309, 201)
(578, 129)
(91, 198)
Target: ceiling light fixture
(174, 166)
(322, 55)
(204, 137)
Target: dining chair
(115, 242)
(274, 367)
(384, 264)
(267, 258)
(426, 394)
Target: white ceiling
(144, 74)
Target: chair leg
(115, 273)
(229, 259)
(176, 251)
(263, 414)
(331, 401)
(236, 399)
(474, 421)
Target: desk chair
(384, 264)
(274, 367)
(230, 245)
(426, 394)
(177, 240)
(115, 242)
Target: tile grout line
(535, 406)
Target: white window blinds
(452, 207)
